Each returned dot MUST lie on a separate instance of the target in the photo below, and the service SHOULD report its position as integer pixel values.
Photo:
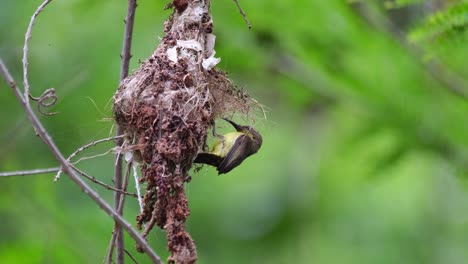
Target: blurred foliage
(365, 154)
(445, 24)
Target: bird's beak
(236, 126)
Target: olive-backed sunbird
(232, 148)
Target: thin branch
(93, 179)
(127, 42)
(149, 225)
(126, 55)
(55, 169)
(46, 138)
(120, 208)
(92, 157)
(117, 235)
(7, 76)
(120, 251)
(243, 14)
(130, 255)
(27, 37)
(28, 172)
(92, 144)
(125, 183)
(82, 148)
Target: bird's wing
(235, 156)
(208, 158)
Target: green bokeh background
(364, 160)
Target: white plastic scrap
(171, 54)
(128, 156)
(190, 44)
(210, 62)
(210, 44)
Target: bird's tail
(208, 158)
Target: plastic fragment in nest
(171, 54)
(210, 62)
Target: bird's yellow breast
(222, 147)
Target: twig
(126, 55)
(114, 238)
(82, 148)
(27, 37)
(92, 144)
(46, 138)
(243, 14)
(28, 172)
(120, 252)
(149, 225)
(127, 42)
(92, 157)
(117, 234)
(49, 94)
(125, 183)
(49, 170)
(93, 179)
(130, 255)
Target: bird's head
(248, 130)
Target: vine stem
(28, 172)
(243, 14)
(117, 239)
(27, 37)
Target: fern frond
(442, 24)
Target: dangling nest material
(166, 108)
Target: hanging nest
(166, 107)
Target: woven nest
(166, 108)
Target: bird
(231, 149)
